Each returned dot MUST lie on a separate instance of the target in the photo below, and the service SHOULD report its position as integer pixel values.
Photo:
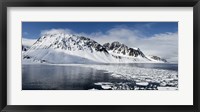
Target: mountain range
(61, 48)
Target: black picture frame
(99, 3)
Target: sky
(153, 38)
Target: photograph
(99, 55)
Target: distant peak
(116, 42)
(158, 58)
(135, 48)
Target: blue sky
(33, 29)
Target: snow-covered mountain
(118, 49)
(61, 48)
(157, 58)
(65, 48)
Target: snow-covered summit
(68, 42)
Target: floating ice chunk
(167, 88)
(106, 87)
(93, 89)
(142, 83)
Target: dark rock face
(119, 48)
(91, 43)
(24, 48)
(133, 52)
(158, 58)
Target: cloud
(164, 45)
(55, 31)
(28, 42)
(25, 33)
